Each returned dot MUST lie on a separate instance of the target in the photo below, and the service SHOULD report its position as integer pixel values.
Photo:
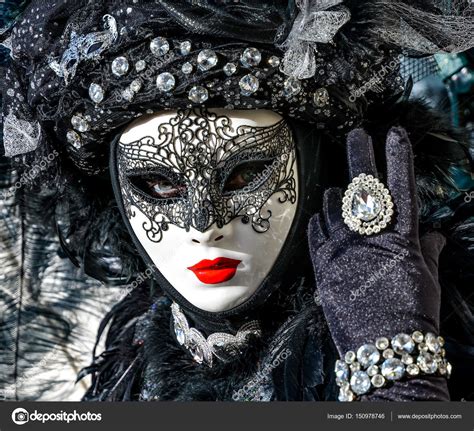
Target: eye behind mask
(248, 174)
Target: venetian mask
(211, 196)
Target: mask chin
(239, 296)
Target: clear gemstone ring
(367, 206)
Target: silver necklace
(203, 349)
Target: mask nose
(213, 235)
(208, 237)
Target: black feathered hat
(81, 69)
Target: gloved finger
(317, 235)
(360, 154)
(332, 207)
(401, 180)
(432, 244)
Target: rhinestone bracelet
(376, 365)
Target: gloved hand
(379, 285)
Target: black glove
(379, 285)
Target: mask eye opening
(157, 186)
(248, 175)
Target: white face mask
(211, 196)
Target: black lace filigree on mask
(195, 152)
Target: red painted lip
(215, 271)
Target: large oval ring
(367, 206)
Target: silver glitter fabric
(20, 136)
(84, 47)
(314, 24)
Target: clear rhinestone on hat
(128, 94)
(403, 343)
(291, 87)
(96, 93)
(360, 382)
(185, 47)
(120, 66)
(73, 138)
(140, 65)
(274, 61)
(393, 369)
(427, 363)
(79, 123)
(165, 81)
(135, 85)
(207, 59)
(198, 94)
(159, 46)
(342, 371)
(365, 206)
(187, 68)
(368, 355)
(248, 85)
(251, 57)
(321, 97)
(229, 69)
